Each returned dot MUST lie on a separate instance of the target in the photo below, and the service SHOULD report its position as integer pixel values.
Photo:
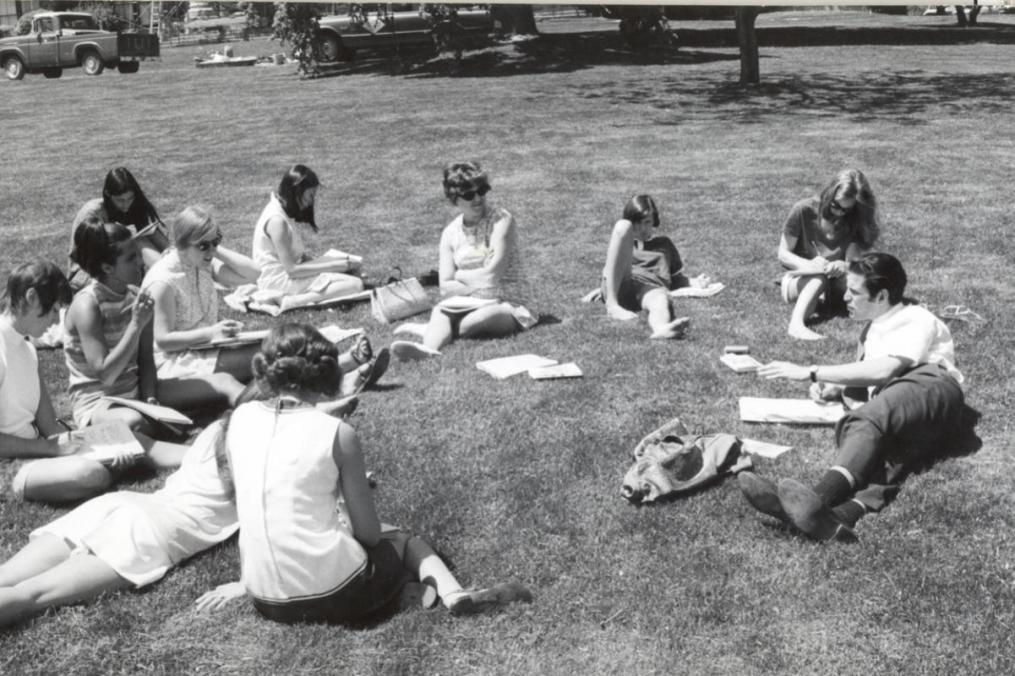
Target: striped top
(85, 387)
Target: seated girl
(278, 250)
(121, 539)
(821, 236)
(28, 425)
(124, 202)
(186, 315)
(108, 346)
(478, 258)
(311, 543)
(642, 268)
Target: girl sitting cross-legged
(311, 544)
(479, 258)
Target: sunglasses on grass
(471, 194)
(210, 244)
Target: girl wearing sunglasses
(186, 314)
(821, 235)
(281, 256)
(478, 259)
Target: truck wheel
(53, 73)
(333, 50)
(92, 64)
(126, 67)
(14, 68)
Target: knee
(64, 480)
(226, 385)
(656, 300)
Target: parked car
(342, 35)
(58, 40)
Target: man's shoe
(474, 602)
(810, 514)
(762, 494)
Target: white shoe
(408, 351)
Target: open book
(332, 332)
(463, 304)
(505, 367)
(108, 441)
(154, 411)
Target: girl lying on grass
(278, 249)
(121, 539)
(311, 543)
(821, 236)
(478, 258)
(642, 268)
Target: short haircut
(640, 207)
(461, 177)
(192, 225)
(295, 182)
(881, 271)
(45, 277)
(97, 243)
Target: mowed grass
(521, 479)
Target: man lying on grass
(916, 409)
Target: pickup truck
(58, 40)
(340, 36)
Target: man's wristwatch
(814, 374)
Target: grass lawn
(521, 479)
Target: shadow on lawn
(905, 97)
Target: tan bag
(399, 300)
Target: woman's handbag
(399, 300)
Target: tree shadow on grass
(904, 97)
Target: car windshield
(78, 23)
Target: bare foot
(404, 350)
(804, 333)
(674, 329)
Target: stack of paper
(568, 370)
(741, 363)
(804, 411)
(505, 367)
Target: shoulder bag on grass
(399, 300)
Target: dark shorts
(367, 593)
(631, 292)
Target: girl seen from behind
(311, 544)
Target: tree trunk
(960, 15)
(516, 19)
(747, 38)
(974, 13)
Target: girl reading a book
(28, 424)
(821, 236)
(278, 250)
(641, 269)
(312, 547)
(479, 270)
(119, 540)
(186, 315)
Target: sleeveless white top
(273, 274)
(19, 383)
(197, 302)
(294, 543)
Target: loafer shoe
(810, 514)
(762, 494)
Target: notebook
(107, 441)
(741, 363)
(568, 370)
(802, 411)
(462, 304)
(154, 411)
(505, 367)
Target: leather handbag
(399, 300)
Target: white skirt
(186, 363)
